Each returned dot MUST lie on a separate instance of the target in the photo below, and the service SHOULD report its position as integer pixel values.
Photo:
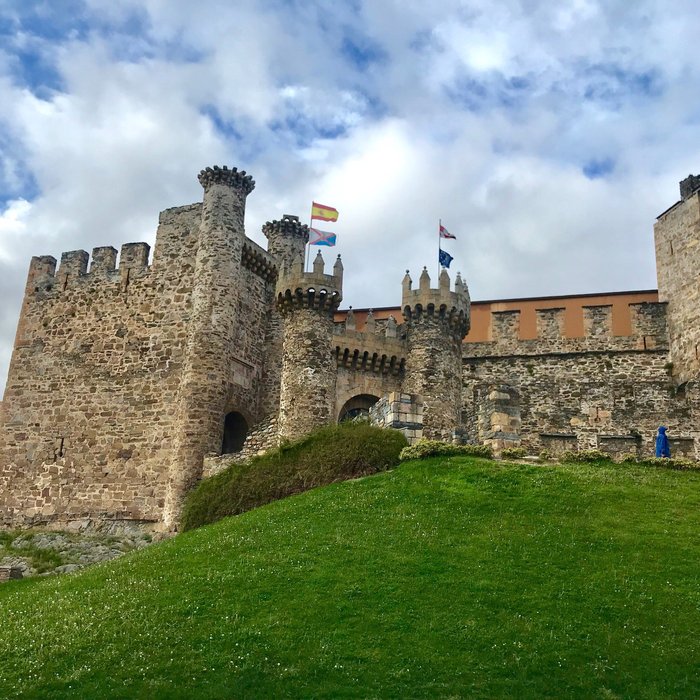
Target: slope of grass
(444, 578)
(334, 453)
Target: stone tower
(436, 322)
(677, 243)
(286, 242)
(207, 367)
(307, 301)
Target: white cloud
(483, 114)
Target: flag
(323, 213)
(444, 233)
(445, 258)
(317, 237)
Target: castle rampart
(132, 379)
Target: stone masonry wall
(89, 408)
(586, 397)
(598, 391)
(677, 243)
(308, 373)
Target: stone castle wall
(90, 403)
(122, 375)
(677, 243)
(595, 392)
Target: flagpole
(438, 265)
(308, 244)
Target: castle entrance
(357, 406)
(235, 432)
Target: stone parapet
(297, 289)
(44, 278)
(376, 350)
(286, 241)
(258, 261)
(451, 307)
(648, 333)
(230, 177)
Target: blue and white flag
(445, 258)
(318, 237)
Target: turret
(307, 301)
(436, 322)
(207, 374)
(286, 241)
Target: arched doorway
(235, 432)
(357, 406)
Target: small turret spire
(319, 264)
(424, 282)
(407, 282)
(444, 280)
(338, 270)
(370, 323)
(350, 320)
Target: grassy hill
(443, 578)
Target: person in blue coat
(663, 448)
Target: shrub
(514, 453)
(584, 456)
(436, 448)
(545, 456)
(629, 458)
(334, 453)
(682, 463)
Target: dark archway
(357, 406)
(235, 432)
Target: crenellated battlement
(288, 226)
(453, 307)
(297, 289)
(377, 349)
(648, 321)
(73, 269)
(258, 261)
(231, 177)
(286, 241)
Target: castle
(128, 383)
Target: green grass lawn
(450, 577)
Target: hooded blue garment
(663, 449)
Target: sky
(546, 136)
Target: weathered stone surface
(123, 371)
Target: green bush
(629, 458)
(514, 453)
(682, 463)
(334, 453)
(584, 456)
(436, 448)
(545, 456)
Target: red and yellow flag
(323, 213)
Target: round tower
(286, 241)
(206, 372)
(307, 301)
(436, 322)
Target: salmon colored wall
(573, 315)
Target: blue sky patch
(494, 91)
(598, 167)
(362, 52)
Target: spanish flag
(324, 213)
